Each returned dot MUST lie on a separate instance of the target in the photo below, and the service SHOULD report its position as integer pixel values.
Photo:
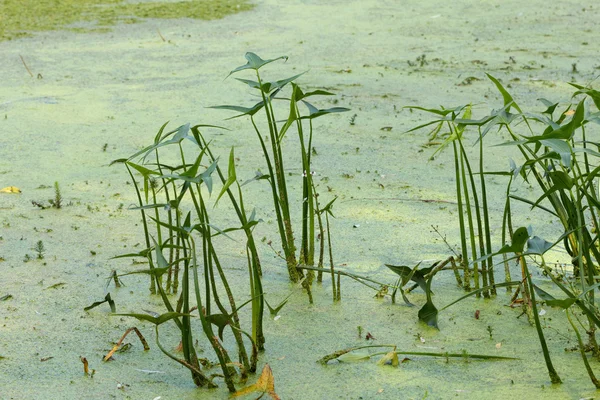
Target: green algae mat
(21, 18)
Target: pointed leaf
(317, 92)
(274, 311)
(519, 239)
(315, 113)
(552, 302)
(550, 106)
(243, 110)
(508, 99)
(328, 207)
(407, 274)
(160, 259)
(155, 320)
(207, 176)
(180, 133)
(594, 94)
(107, 299)
(537, 245)
(249, 82)
(193, 170)
(143, 253)
(255, 62)
(566, 131)
(258, 176)
(220, 320)
(561, 147)
(231, 176)
(429, 313)
(269, 86)
(561, 179)
(292, 115)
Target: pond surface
(73, 101)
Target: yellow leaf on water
(389, 358)
(10, 189)
(265, 384)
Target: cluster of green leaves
(179, 234)
(173, 205)
(563, 162)
(277, 174)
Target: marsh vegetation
(278, 253)
(173, 205)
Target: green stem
(582, 352)
(206, 326)
(461, 218)
(146, 233)
(554, 378)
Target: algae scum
(22, 18)
(84, 88)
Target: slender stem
(199, 377)
(486, 219)
(336, 296)
(283, 202)
(206, 326)
(469, 217)
(146, 233)
(582, 352)
(322, 236)
(507, 227)
(461, 218)
(480, 232)
(274, 192)
(554, 378)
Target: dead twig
(25, 64)
(118, 344)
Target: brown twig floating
(160, 34)
(86, 370)
(118, 344)
(26, 67)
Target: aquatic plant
(562, 161)
(472, 208)
(175, 216)
(56, 202)
(58, 199)
(274, 155)
(39, 249)
(335, 288)
(179, 235)
(360, 353)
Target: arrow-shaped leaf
(255, 62)
(155, 320)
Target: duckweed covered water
(99, 96)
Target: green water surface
(20, 18)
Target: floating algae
(19, 18)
